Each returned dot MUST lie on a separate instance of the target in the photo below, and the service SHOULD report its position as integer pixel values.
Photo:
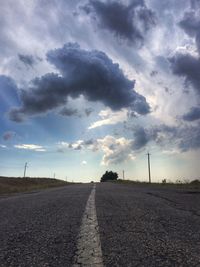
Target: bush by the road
(109, 176)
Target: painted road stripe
(89, 246)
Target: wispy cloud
(108, 117)
(2, 146)
(31, 147)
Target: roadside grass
(9, 185)
(193, 185)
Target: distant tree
(195, 182)
(109, 176)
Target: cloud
(170, 139)
(88, 73)
(28, 60)
(8, 93)
(171, 152)
(162, 135)
(88, 111)
(141, 138)
(78, 145)
(8, 135)
(62, 147)
(187, 66)
(191, 25)
(195, 4)
(44, 94)
(3, 146)
(128, 22)
(16, 115)
(108, 117)
(192, 115)
(30, 147)
(69, 112)
(189, 138)
(84, 162)
(181, 138)
(116, 150)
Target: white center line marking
(89, 245)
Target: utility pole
(25, 167)
(123, 175)
(149, 168)
(54, 175)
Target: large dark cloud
(183, 138)
(130, 22)
(44, 94)
(191, 25)
(192, 115)
(187, 66)
(88, 73)
(157, 133)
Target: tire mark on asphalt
(89, 251)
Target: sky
(89, 86)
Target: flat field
(16, 185)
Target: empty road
(101, 225)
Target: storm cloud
(192, 115)
(191, 25)
(128, 22)
(183, 138)
(187, 66)
(89, 73)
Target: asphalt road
(138, 226)
(148, 227)
(40, 229)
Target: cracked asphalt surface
(40, 229)
(145, 226)
(138, 226)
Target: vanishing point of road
(101, 225)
